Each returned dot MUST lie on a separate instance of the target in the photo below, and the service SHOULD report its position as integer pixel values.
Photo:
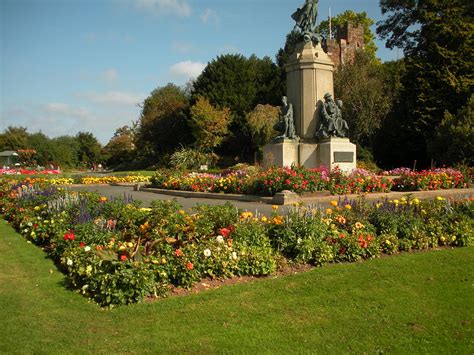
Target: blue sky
(85, 65)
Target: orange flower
(189, 265)
(178, 253)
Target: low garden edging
(115, 252)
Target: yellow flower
(415, 201)
(378, 205)
(439, 198)
(333, 203)
(181, 212)
(264, 219)
(388, 242)
(359, 225)
(347, 207)
(328, 210)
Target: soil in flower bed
(211, 284)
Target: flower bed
(29, 172)
(429, 180)
(269, 182)
(115, 252)
(87, 180)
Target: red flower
(123, 257)
(224, 232)
(82, 244)
(178, 253)
(69, 236)
(189, 265)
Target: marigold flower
(328, 210)
(178, 253)
(274, 207)
(333, 203)
(347, 207)
(189, 265)
(359, 225)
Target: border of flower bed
(289, 197)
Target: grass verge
(412, 303)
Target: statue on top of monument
(305, 18)
(286, 124)
(331, 122)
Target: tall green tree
(66, 151)
(454, 139)
(367, 97)
(162, 126)
(89, 149)
(261, 121)
(240, 84)
(208, 124)
(14, 138)
(437, 37)
(121, 148)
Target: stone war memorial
(311, 129)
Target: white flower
(207, 252)
(220, 239)
(234, 255)
(69, 262)
(87, 248)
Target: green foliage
(162, 126)
(437, 38)
(261, 121)
(117, 253)
(355, 19)
(362, 87)
(14, 138)
(454, 139)
(89, 148)
(120, 149)
(190, 159)
(240, 84)
(209, 124)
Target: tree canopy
(437, 37)
(162, 125)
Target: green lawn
(413, 303)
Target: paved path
(266, 209)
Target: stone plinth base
(339, 152)
(308, 156)
(284, 153)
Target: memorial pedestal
(339, 152)
(282, 153)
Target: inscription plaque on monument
(343, 157)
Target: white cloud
(187, 69)
(112, 98)
(110, 75)
(209, 16)
(57, 119)
(62, 109)
(165, 7)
